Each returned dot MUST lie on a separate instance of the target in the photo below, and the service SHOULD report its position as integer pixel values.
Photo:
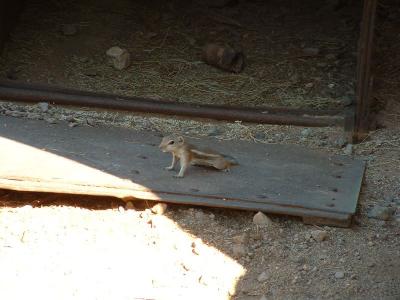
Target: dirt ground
(76, 247)
(165, 40)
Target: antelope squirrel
(190, 155)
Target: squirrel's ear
(181, 139)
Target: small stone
(129, 205)
(43, 106)
(259, 135)
(306, 132)
(348, 150)
(339, 275)
(199, 215)
(347, 100)
(240, 239)
(214, 131)
(261, 219)
(330, 56)
(69, 29)
(90, 72)
(159, 208)
(309, 85)
(331, 85)
(51, 121)
(239, 250)
(319, 235)
(121, 209)
(120, 58)
(341, 142)
(311, 51)
(72, 124)
(264, 276)
(381, 213)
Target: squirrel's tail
(230, 159)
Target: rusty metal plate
(284, 179)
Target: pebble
(319, 235)
(264, 276)
(259, 135)
(330, 56)
(240, 239)
(120, 58)
(348, 150)
(69, 29)
(51, 121)
(311, 51)
(43, 106)
(309, 85)
(347, 100)
(72, 124)
(339, 275)
(261, 219)
(381, 213)
(341, 142)
(159, 208)
(214, 131)
(306, 132)
(121, 209)
(239, 250)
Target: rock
(199, 215)
(261, 219)
(214, 131)
(240, 239)
(319, 235)
(330, 56)
(339, 275)
(259, 135)
(72, 124)
(121, 209)
(381, 213)
(347, 100)
(90, 72)
(305, 132)
(311, 51)
(309, 85)
(51, 120)
(43, 106)
(159, 208)
(69, 29)
(341, 142)
(239, 250)
(348, 150)
(120, 58)
(129, 205)
(264, 276)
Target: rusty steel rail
(12, 91)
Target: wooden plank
(282, 179)
(364, 77)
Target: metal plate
(285, 179)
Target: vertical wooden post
(364, 77)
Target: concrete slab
(283, 179)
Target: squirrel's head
(170, 143)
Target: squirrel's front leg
(172, 166)
(184, 165)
